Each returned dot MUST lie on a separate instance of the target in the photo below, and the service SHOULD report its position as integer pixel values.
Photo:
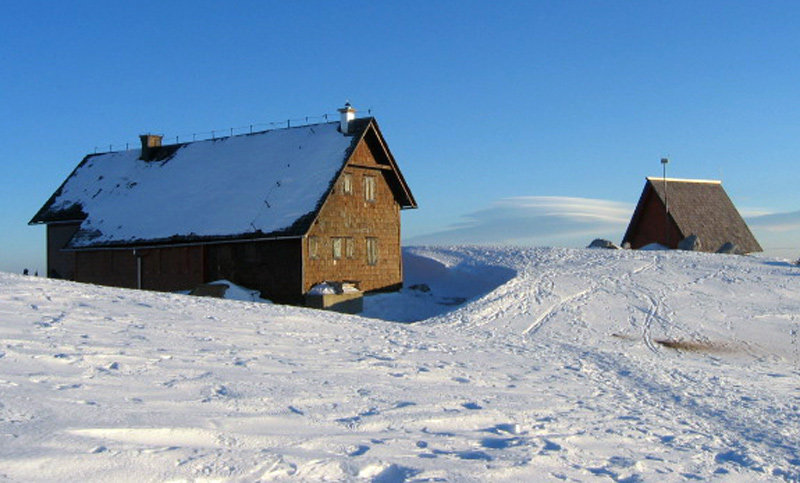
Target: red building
(278, 211)
(670, 210)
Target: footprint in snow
(395, 473)
(735, 457)
(62, 387)
(473, 455)
(501, 443)
(361, 449)
(621, 461)
(550, 446)
(508, 428)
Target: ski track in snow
(558, 372)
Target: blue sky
(494, 110)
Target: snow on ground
(564, 364)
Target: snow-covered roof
(270, 183)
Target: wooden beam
(379, 167)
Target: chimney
(149, 142)
(348, 114)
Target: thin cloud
(778, 233)
(574, 222)
(537, 220)
(776, 222)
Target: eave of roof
(655, 179)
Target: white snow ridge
(574, 365)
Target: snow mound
(437, 281)
(237, 292)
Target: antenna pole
(664, 162)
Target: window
(337, 248)
(313, 247)
(347, 184)
(369, 188)
(349, 248)
(372, 251)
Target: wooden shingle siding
(353, 216)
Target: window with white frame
(372, 251)
(336, 243)
(369, 188)
(347, 184)
(349, 248)
(313, 247)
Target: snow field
(563, 364)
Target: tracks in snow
(534, 327)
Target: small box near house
(342, 297)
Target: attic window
(369, 188)
(313, 247)
(347, 184)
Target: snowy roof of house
(266, 184)
(702, 208)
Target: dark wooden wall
(166, 269)
(652, 225)
(274, 267)
(60, 264)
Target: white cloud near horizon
(778, 233)
(537, 220)
(776, 222)
(575, 222)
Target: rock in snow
(601, 243)
(690, 243)
(562, 364)
(728, 247)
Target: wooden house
(278, 211)
(670, 210)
